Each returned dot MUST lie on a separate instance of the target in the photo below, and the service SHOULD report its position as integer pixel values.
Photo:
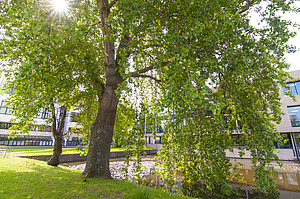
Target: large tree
(209, 65)
(55, 76)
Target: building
(289, 128)
(40, 133)
(290, 124)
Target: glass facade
(239, 140)
(26, 140)
(294, 114)
(74, 142)
(297, 139)
(295, 86)
(30, 140)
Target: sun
(60, 6)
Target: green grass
(39, 151)
(47, 151)
(27, 178)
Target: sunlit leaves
(54, 59)
(214, 75)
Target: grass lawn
(46, 151)
(27, 178)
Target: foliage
(125, 120)
(199, 190)
(123, 124)
(209, 68)
(46, 61)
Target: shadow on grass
(28, 178)
(34, 179)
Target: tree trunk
(57, 150)
(57, 134)
(101, 136)
(102, 130)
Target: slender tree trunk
(101, 136)
(57, 134)
(57, 150)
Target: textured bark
(102, 130)
(57, 134)
(57, 150)
(101, 137)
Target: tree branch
(146, 76)
(99, 87)
(53, 117)
(248, 5)
(62, 121)
(112, 4)
(144, 70)
(124, 44)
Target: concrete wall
(283, 154)
(286, 154)
(154, 146)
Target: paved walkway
(148, 165)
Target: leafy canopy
(207, 66)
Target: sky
(294, 58)
(291, 58)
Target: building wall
(283, 154)
(285, 125)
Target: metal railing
(4, 151)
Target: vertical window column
(294, 114)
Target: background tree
(207, 62)
(51, 69)
(125, 120)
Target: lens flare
(60, 6)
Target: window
(26, 140)
(73, 117)
(294, 113)
(297, 138)
(295, 88)
(158, 140)
(5, 125)
(5, 109)
(44, 128)
(287, 143)
(44, 114)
